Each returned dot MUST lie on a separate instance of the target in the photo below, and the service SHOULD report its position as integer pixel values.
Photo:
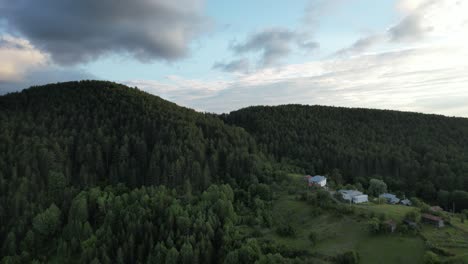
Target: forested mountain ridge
(97, 171)
(414, 153)
(104, 132)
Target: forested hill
(97, 172)
(94, 132)
(416, 153)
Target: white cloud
(22, 65)
(431, 80)
(17, 57)
(180, 90)
(424, 23)
(431, 19)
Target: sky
(220, 55)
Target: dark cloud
(274, 44)
(240, 65)
(80, 31)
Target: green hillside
(417, 154)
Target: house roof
(350, 192)
(436, 208)
(431, 217)
(317, 178)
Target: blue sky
(218, 56)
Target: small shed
(433, 220)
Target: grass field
(391, 249)
(448, 238)
(338, 234)
(395, 212)
(456, 222)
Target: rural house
(354, 196)
(433, 220)
(391, 198)
(316, 180)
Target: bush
(374, 225)
(413, 216)
(465, 212)
(286, 230)
(292, 190)
(430, 258)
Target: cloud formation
(274, 44)
(81, 31)
(22, 66)
(361, 45)
(406, 80)
(430, 18)
(18, 56)
(424, 21)
(240, 65)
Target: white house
(363, 198)
(317, 180)
(354, 196)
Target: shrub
(413, 216)
(430, 258)
(286, 230)
(374, 225)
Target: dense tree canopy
(59, 139)
(415, 153)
